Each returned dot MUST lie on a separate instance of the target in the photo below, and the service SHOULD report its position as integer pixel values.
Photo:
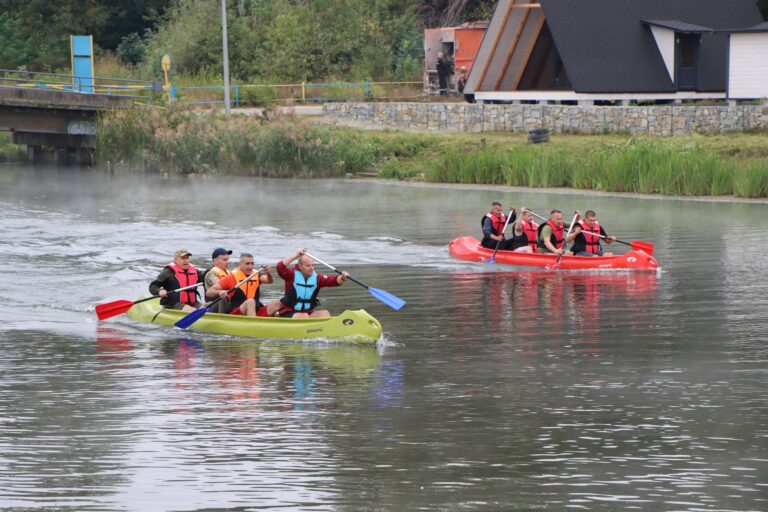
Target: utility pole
(226, 54)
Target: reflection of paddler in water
(112, 344)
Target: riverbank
(197, 142)
(10, 152)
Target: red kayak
(468, 248)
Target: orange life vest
(250, 289)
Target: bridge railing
(298, 93)
(77, 84)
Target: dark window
(688, 44)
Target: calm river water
(493, 389)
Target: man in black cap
(177, 274)
(220, 269)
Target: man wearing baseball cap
(177, 274)
(220, 268)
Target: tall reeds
(639, 166)
(187, 141)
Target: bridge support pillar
(66, 149)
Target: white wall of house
(748, 66)
(665, 40)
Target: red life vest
(557, 235)
(185, 278)
(593, 242)
(531, 230)
(497, 223)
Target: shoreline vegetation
(206, 142)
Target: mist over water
(495, 388)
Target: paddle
(387, 298)
(637, 245)
(197, 314)
(118, 307)
(502, 236)
(565, 243)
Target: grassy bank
(203, 142)
(10, 152)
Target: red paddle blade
(642, 246)
(110, 309)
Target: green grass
(187, 141)
(10, 152)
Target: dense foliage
(269, 40)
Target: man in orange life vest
(525, 233)
(586, 243)
(493, 225)
(551, 234)
(245, 299)
(220, 268)
(302, 285)
(177, 274)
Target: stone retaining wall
(662, 120)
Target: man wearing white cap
(177, 274)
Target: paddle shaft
(384, 296)
(498, 244)
(338, 271)
(118, 307)
(218, 299)
(565, 241)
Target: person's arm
(488, 229)
(222, 287)
(156, 286)
(576, 231)
(324, 281)
(290, 259)
(546, 236)
(608, 239)
(266, 275)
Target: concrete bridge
(55, 120)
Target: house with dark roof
(621, 50)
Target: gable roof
(606, 47)
(678, 26)
(762, 27)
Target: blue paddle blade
(387, 298)
(489, 261)
(191, 318)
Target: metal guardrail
(77, 84)
(305, 92)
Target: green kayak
(357, 326)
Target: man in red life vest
(586, 243)
(551, 234)
(302, 285)
(177, 274)
(525, 233)
(244, 300)
(493, 225)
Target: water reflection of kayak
(356, 326)
(469, 248)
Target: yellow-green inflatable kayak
(357, 326)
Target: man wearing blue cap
(220, 269)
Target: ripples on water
(492, 390)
